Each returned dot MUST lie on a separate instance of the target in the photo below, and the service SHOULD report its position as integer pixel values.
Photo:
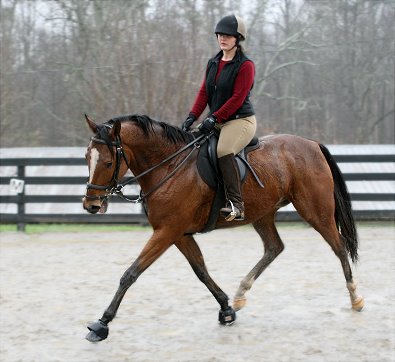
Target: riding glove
(188, 122)
(208, 124)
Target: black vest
(220, 91)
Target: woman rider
(226, 90)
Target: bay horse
(177, 201)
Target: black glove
(188, 122)
(208, 124)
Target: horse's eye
(109, 164)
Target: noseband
(115, 188)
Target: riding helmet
(232, 25)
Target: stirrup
(234, 214)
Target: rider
(226, 89)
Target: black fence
(21, 218)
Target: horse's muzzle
(93, 209)
(92, 206)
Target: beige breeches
(235, 135)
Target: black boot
(234, 210)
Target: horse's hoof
(98, 331)
(239, 303)
(227, 316)
(358, 304)
(93, 337)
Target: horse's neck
(151, 154)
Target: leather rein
(115, 187)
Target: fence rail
(21, 218)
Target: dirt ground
(53, 284)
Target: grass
(63, 228)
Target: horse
(177, 201)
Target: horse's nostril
(93, 209)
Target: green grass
(64, 228)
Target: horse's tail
(343, 211)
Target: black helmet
(232, 25)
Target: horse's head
(104, 156)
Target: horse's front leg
(155, 247)
(190, 249)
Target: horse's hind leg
(190, 249)
(337, 243)
(273, 247)
(319, 214)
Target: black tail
(343, 211)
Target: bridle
(115, 187)
(111, 188)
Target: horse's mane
(149, 126)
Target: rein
(115, 188)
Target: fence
(20, 217)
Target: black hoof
(98, 331)
(227, 316)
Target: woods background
(324, 69)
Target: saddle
(207, 164)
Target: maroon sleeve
(200, 101)
(242, 86)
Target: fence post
(21, 203)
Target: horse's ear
(92, 125)
(116, 129)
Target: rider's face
(226, 42)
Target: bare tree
(324, 69)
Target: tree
(324, 69)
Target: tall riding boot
(234, 209)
